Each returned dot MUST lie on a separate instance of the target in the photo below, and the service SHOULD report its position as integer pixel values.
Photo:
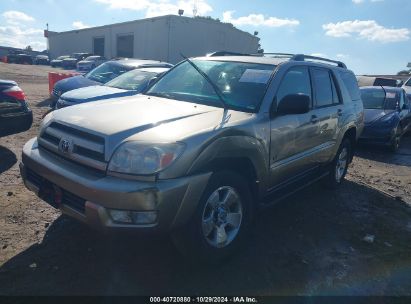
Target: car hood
(372, 115)
(56, 60)
(94, 93)
(144, 118)
(74, 82)
(86, 62)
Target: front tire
(396, 141)
(339, 166)
(221, 222)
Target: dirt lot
(356, 241)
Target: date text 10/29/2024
(203, 300)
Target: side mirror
(294, 104)
(151, 82)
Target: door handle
(339, 112)
(314, 119)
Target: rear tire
(339, 166)
(221, 222)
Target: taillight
(16, 93)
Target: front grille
(73, 201)
(84, 148)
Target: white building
(160, 38)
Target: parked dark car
(366, 81)
(42, 60)
(101, 75)
(90, 63)
(128, 84)
(387, 116)
(71, 62)
(20, 59)
(15, 114)
(407, 87)
(58, 62)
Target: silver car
(212, 141)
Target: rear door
(328, 111)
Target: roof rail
(302, 57)
(225, 53)
(277, 55)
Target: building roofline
(52, 33)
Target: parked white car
(90, 63)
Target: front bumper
(88, 195)
(377, 136)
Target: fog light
(133, 217)
(144, 218)
(120, 216)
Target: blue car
(101, 75)
(387, 116)
(130, 83)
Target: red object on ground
(4, 59)
(54, 77)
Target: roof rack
(294, 57)
(225, 53)
(302, 57)
(275, 55)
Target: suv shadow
(311, 244)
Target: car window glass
(402, 100)
(242, 85)
(295, 81)
(322, 87)
(391, 100)
(351, 84)
(133, 80)
(373, 98)
(336, 97)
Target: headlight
(387, 120)
(144, 159)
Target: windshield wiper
(215, 87)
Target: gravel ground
(356, 241)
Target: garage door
(125, 46)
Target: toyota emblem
(65, 146)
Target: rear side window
(322, 87)
(351, 84)
(295, 81)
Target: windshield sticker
(390, 95)
(256, 76)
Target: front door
(293, 137)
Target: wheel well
(240, 165)
(351, 135)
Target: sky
(370, 36)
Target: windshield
(91, 58)
(242, 85)
(107, 71)
(62, 57)
(379, 99)
(135, 80)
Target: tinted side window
(351, 84)
(296, 81)
(336, 97)
(322, 87)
